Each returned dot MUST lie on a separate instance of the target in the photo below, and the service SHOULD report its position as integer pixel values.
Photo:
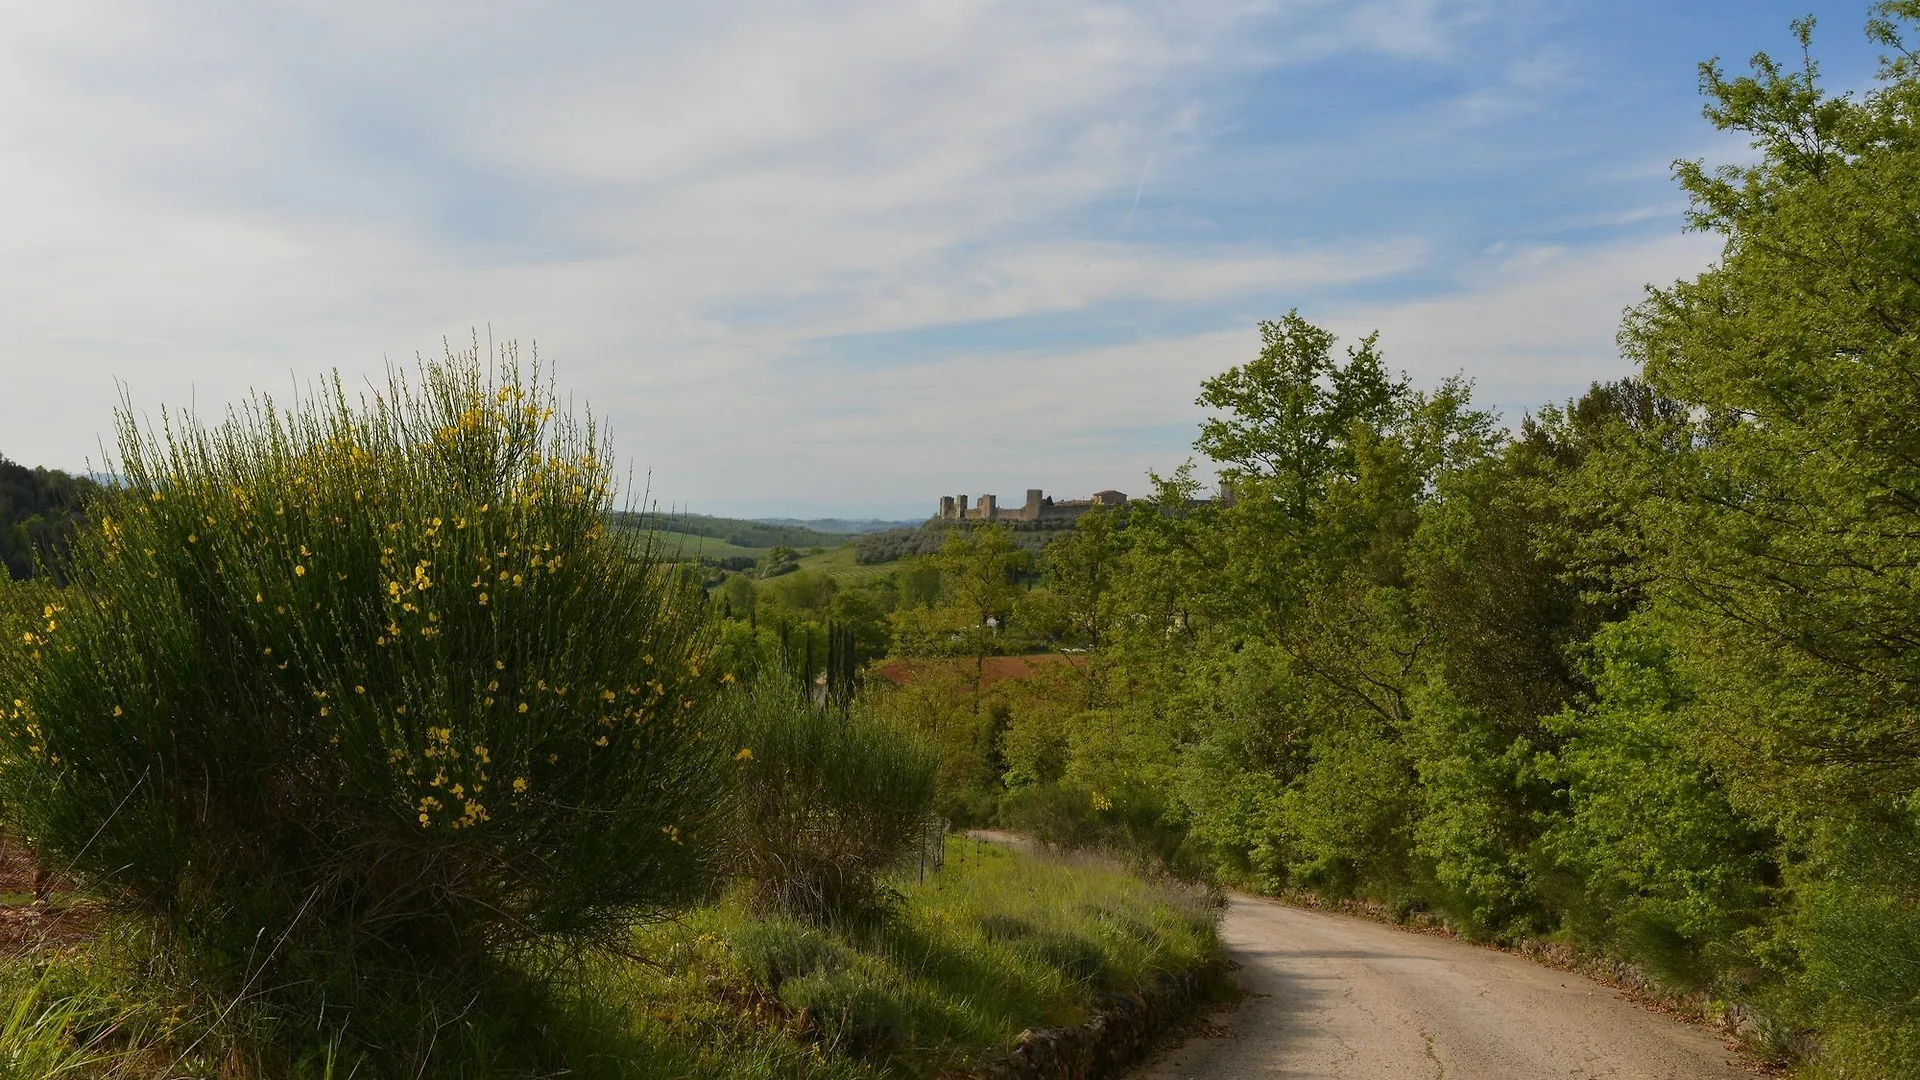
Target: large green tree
(1790, 527)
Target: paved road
(1331, 996)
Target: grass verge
(998, 943)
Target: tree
(39, 509)
(1787, 526)
(1287, 416)
(779, 560)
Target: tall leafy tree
(1790, 526)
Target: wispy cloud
(769, 240)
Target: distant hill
(840, 526)
(737, 532)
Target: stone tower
(946, 508)
(989, 507)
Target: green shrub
(346, 690)
(771, 951)
(825, 805)
(1061, 816)
(1670, 872)
(1348, 821)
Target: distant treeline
(38, 510)
(896, 544)
(739, 533)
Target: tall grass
(825, 804)
(355, 694)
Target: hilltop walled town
(1038, 507)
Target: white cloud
(686, 205)
(1535, 323)
(1531, 325)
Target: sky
(825, 258)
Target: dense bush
(825, 804)
(346, 690)
(39, 509)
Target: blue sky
(827, 258)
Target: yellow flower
(601, 741)
(523, 706)
(483, 599)
(299, 571)
(606, 695)
(519, 784)
(745, 754)
(116, 711)
(359, 689)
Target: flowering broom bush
(366, 686)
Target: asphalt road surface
(1332, 996)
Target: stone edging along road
(1336, 997)
(1121, 1031)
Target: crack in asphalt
(1440, 1067)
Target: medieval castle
(1038, 507)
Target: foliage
(896, 544)
(343, 697)
(936, 707)
(39, 509)
(823, 805)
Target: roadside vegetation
(1639, 675)
(362, 741)
(994, 944)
